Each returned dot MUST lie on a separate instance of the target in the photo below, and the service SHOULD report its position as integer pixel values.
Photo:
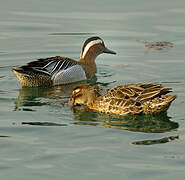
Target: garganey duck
(62, 70)
(147, 98)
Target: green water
(42, 138)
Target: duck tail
(28, 78)
(158, 105)
(168, 99)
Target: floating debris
(156, 141)
(161, 45)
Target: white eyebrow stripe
(89, 45)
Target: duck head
(84, 94)
(93, 47)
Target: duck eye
(76, 91)
(77, 96)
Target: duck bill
(108, 51)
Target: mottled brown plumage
(127, 99)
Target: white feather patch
(89, 45)
(69, 75)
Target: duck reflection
(158, 123)
(39, 96)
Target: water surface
(42, 138)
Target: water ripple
(71, 34)
(43, 124)
(146, 123)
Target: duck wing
(147, 91)
(50, 65)
(132, 98)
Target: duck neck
(89, 58)
(92, 98)
(88, 63)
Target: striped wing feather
(50, 65)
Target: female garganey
(127, 99)
(62, 70)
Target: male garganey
(127, 99)
(62, 70)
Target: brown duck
(147, 98)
